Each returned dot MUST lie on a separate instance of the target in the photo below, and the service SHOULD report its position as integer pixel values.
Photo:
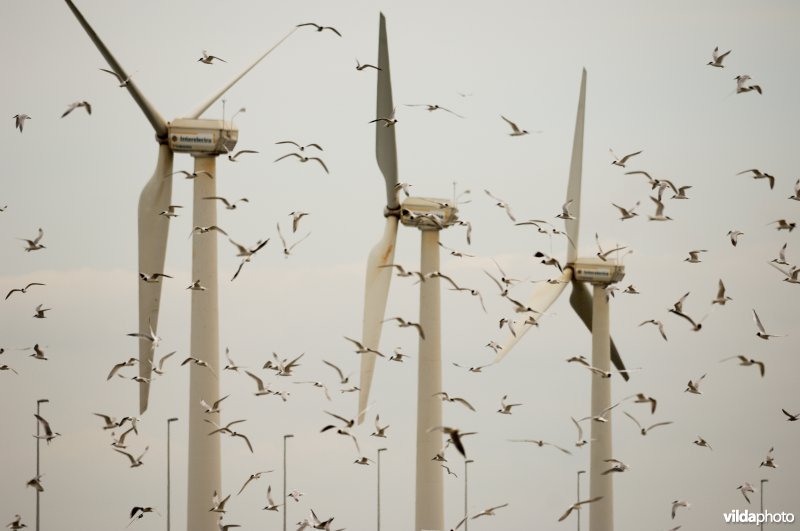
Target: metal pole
(285, 507)
(430, 479)
(466, 483)
(38, 443)
(379, 486)
(762, 501)
(205, 468)
(169, 421)
(601, 513)
(578, 496)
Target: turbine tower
(429, 215)
(203, 139)
(592, 308)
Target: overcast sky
(649, 89)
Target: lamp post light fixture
(379, 485)
(169, 421)
(466, 520)
(578, 496)
(285, 508)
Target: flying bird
(287, 250)
(741, 86)
(659, 215)
(702, 442)
(659, 324)
(152, 278)
(20, 121)
(577, 506)
(745, 488)
(642, 429)
(75, 105)
(271, 505)
(621, 161)
(253, 477)
(734, 236)
(455, 437)
(541, 444)
(721, 298)
(34, 245)
(626, 213)
(565, 211)
(490, 511)
(302, 158)
(234, 157)
(122, 82)
(228, 204)
(784, 225)
(761, 332)
(49, 434)
(694, 256)
(758, 174)
(135, 461)
(430, 108)
(402, 323)
(694, 386)
(194, 174)
(320, 28)
(717, 58)
(23, 290)
(204, 230)
(515, 130)
(214, 408)
(744, 361)
(360, 67)
(387, 121)
(209, 59)
(447, 398)
(678, 504)
(505, 409)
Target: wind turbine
(592, 308)
(430, 216)
(204, 139)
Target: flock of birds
(123, 431)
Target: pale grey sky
(648, 89)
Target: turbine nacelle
(201, 136)
(595, 271)
(428, 213)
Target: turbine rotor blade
(155, 119)
(376, 293)
(540, 300)
(572, 226)
(385, 144)
(581, 302)
(208, 103)
(153, 232)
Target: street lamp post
(285, 508)
(466, 521)
(38, 443)
(762, 501)
(169, 421)
(379, 486)
(578, 496)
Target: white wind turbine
(204, 139)
(429, 216)
(592, 308)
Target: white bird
(380, 431)
(565, 211)
(541, 444)
(295, 495)
(490, 511)
(214, 408)
(455, 436)
(659, 215)
(20, 121)
(603, 255)
(204, 230)
(702, 442)
(228, 204)
(796, 195)
(447, 398)
(160, 368)
(225, 527)
(502, 204)
(72, 106)
(387, 121)
(34, 245)
(217, 503)
(301, 158)
(16, 523)
(271, 505)
(119, 442)
(296, 217)
(287, 250)
(745, 488)
(761, 332)
(196, 286)
(49, 434)
(23, 290)
(320, 385)
(581, 441)
(110, 422)
(135, 461)
(398, 356)
(152, 278)
(781, 260)
(618, 466)
(253, 477)
(299, 146)
(717, 58)
(198, 362)
(758, 174)
(122, 82)
(631, 290)
(642, 398)
(209, 59)
(5, 367)
(342, 378)
(681, 193)
(721, 298)
(626, 213)
(194, 175)
(792, 276)
(744, 361)
(231, 366)
(577, 506)
(769, 461)
(734, 236)
(431, 108)
(320, 28)
(361, 67)
(476, 368)
(694, 386)
(235, 156)
(36, 483)
(621, 161)
(642, 429)
(505, 409)
(676, 505)
(40, 312)
(784, 225)
(694, 256)
(515, 130)
(262, 389)
(659, 324)
(741, 87)
(402, 323)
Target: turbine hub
(596, 271)
(428, 213)
(201, 137)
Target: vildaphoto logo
(748, 517)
